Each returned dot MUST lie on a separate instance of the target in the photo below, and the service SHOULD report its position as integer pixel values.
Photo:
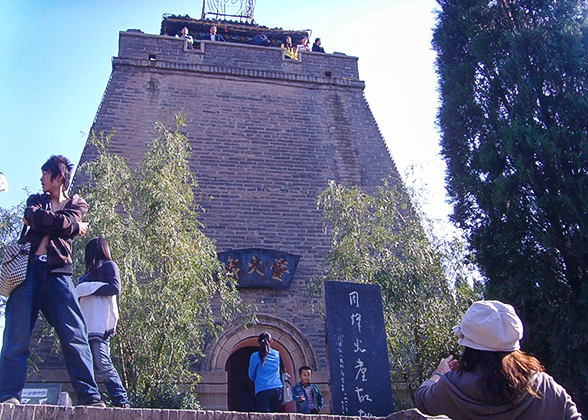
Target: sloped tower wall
(267, 133)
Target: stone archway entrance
(240, 389)
(230, 354)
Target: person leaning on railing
(290, 51)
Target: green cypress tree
(513, 80)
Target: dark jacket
(98, 303)
(302, 406)
(62, 227)
(106, 272)
(316, 48)
(219, 38)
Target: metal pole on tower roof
(243, 9)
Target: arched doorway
(240, 389)
(216, 368)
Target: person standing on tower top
(214, 36)
(303, 46)
(290, 51)
(184, 34)
(316, 47)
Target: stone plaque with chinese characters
(358, 353)
(257, 267)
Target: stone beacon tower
(267, 133)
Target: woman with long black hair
(97, 290)
(264, 371)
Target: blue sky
(56, 60)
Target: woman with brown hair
(494, 379)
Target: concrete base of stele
(53, 412)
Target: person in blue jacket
(264, 371)
(308, 397)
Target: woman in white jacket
(97, 290)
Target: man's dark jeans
(55, 297)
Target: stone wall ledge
(266, 75)
(52, 412)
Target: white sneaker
(11, 401)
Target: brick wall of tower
(266, 133)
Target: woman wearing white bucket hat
(494, 379)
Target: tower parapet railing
(161, 51)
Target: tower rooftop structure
(233, 31)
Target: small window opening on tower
(152, 57)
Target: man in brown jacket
(54, 220)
